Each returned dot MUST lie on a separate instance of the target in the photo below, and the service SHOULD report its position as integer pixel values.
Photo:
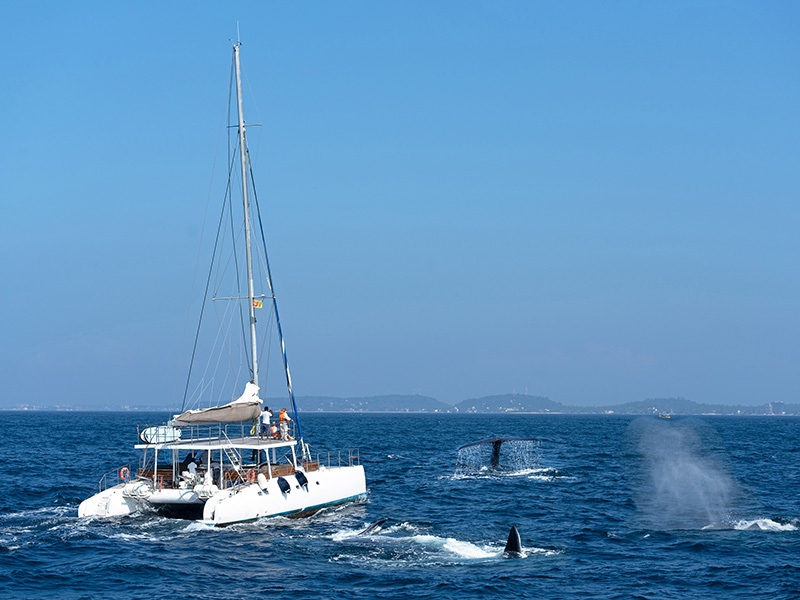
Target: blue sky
(591, 201)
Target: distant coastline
(500, 404)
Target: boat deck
(281, 470)
(220, 442)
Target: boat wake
(199, 526)
(407, 544)
(57, 525)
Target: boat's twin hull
(111, 502)
(324, 487)
(127, 498)
(320, 488)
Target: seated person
(185, 462)
(201, 459)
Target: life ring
(124, 472)
(251, 476)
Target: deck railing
(191, 433)
(114, 477)
(339, 458)
(335, 458)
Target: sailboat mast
(246, 203)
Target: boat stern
(111, 502)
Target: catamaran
(216, 463)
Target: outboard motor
(284, 485)
(301, 479)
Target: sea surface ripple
(607, 507)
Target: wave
(390, 530)
(47, 512)
(405, 543)
(533, 473)
(198, 526)
(456, 547)
(762, 524)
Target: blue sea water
(607, 507)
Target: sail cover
(245, 408)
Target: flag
(258, 304)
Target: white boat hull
(127, 498)
(326, 487)
(112, 502)
(172, 496)
(247, 502)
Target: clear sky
(591, 201)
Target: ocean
(607, 507)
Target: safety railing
(339, 458)
(115, 477)
(153, 434)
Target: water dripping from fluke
(498, 453)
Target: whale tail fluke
(496, 443)
(514, 543)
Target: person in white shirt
(266, 415)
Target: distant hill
(682, 406)
(389, 403)
(504, 403)
(523, 403)
(509, 403)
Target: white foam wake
(199, 526)
(754, 525)
(763, 525)
(454, 546)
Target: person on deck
(285, 420)
(274, 432)
(189, 459)
(266, 416)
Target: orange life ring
(124, 472)
(251, 476)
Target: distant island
(504, 403)
(524, 403)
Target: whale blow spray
(683, 486)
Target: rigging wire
(205, 296)
(238, 286)
(197, 261)
(227, 316)
(275, 307)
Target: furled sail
(245, 408)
